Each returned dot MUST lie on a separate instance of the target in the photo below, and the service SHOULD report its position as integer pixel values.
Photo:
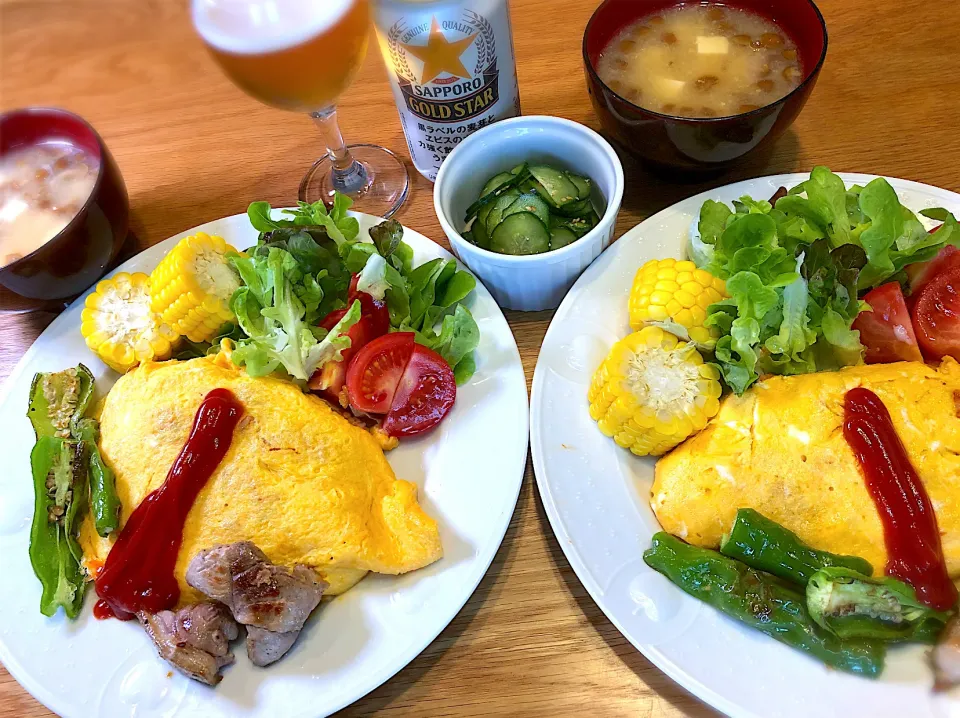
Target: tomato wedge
(922, 272)
(375, 371)
(936, 315)
(374, 322)
(425, 395)
(886, 332)
(413, 385)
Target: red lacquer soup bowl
(79, 254)
(708, 143)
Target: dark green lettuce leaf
(713, 220)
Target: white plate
(597, 498)
(110, 669)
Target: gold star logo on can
(452, 70)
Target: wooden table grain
(193, 148)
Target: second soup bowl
(700, 144)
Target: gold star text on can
(452, 69)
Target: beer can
(452, 69)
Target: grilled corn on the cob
(119, 325)
(668, 291)
(653, 391)
(192, 286)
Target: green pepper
(59, 400)
(767, 546)
(765, 602)
(59, 483)
(104, 501)
(852, 605)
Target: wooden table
(193, 148)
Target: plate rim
(53, 702)
(651, 652)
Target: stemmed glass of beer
(301, 55)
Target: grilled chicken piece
(271, 601)
(195, 639)
(946, 657)
(211, 571)
(274, 598)
(265, 647)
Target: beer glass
(301, 55)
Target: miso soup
(701, 61)
(42, 188)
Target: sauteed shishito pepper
(66, 468)
(59, 472)
(760, 600)
(59, 400)
(104, 501)
(767, 546)
(852, 605)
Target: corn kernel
(656, 313)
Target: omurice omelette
(299, 481)
(780, 449)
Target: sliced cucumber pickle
(581, 183)
(496, 211)
(561, 237)
(530, 202)
(520, 233)
(492, 195)
(479, 230)
(484, 212)
(576, 225)
(531, 209)
(531, 185)
(555, 183)
(496, 181)
(580, 208)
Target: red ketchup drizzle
(102, 609)
(909, 523)
(138, 573)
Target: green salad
(795, 270)
(300, 271)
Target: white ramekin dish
(536, 281)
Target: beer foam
(254, 27)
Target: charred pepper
(761, 601)
(852, 605)
(104, 501)
(767, 546)
(58, 400)
(59, 481)
(64, 463)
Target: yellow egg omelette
(780, 449)
(299, 480)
